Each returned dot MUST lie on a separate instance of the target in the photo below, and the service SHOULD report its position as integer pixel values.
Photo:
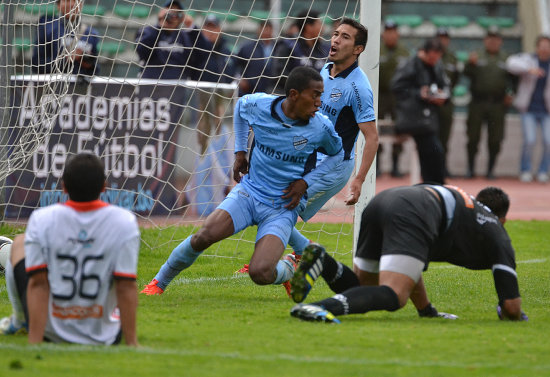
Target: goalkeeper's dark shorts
(401, 220)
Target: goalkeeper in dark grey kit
(402, 230)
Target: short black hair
(300, 78)
(306, 17)
(362, 35)
(84, 177)
(496, 199)
(433, 44)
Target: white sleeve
(35, 258)
(127, 254)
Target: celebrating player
(69, 257)
(287, 132)
(347, 102)
(402, 230)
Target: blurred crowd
(415, 85)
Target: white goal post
(147, 131)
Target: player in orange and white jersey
(79, 260)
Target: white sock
(18, 316)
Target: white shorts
(403, 264)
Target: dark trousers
(446, 113)
(431, 157)
(492, 112)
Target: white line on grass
(208, 280)
(272, 357)
(528, 261)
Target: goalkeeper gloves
(522, 317)
(431, 312)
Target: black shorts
(401, 220)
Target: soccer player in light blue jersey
(348, 102)
(288, 131)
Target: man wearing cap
(490, 86)
(392, 54)
(446, 111)
(58, 47)
(164, 49)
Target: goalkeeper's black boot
(310, 268)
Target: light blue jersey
(347, 101)
(283, 150)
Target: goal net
(74, 77)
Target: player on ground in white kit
(61, 272)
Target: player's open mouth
(333, 51)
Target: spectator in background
(392, 54)
(307, 50)
(292, 31)
(212, 55)
(164, 50)
(446, 111)
(533, 102)
(421, 87)
(54, 40)
(253, 64)
(490, 86)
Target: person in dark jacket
(164, 50)
(58, 48)
(253, 62)
(446, 112)
(213, 66)
(308, 49)
(421, 87)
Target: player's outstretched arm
(126, 293)
(38, 292)
(368, 129)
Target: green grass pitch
(211, 322)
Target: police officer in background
(392, 53)
(446, 111)
(490, 86)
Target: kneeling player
(402, 230)
(61, 272)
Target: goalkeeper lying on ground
(402, 230)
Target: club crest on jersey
(82, 239)
(299, 142)
(335, 94)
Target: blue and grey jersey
(284, 150)
(347, 101)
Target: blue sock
(181, 257)
(297, 241)
(285, 270)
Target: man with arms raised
(270, 192)
(76, 265)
